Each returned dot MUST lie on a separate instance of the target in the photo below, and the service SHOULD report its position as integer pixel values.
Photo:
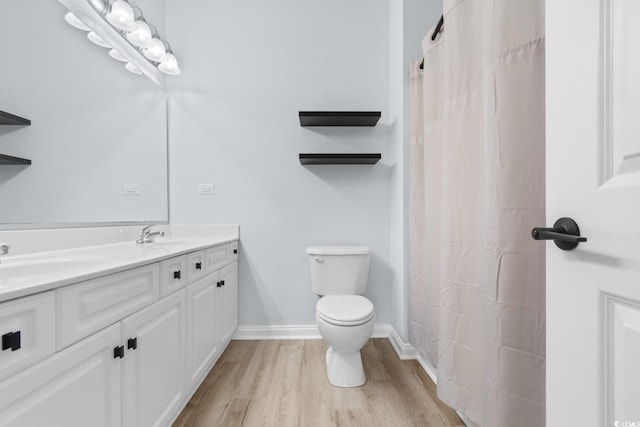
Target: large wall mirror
(98, 138)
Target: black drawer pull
(218, 285)
(198, 266)
(118, 352)
(11, 341)
(132, 343)
(222, 282)
(176, 275)
(235, 251)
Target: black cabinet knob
(235, 251)
(176, 275)
(218, 285)
(198, 266)
(222, 282)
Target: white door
(203, 336)
(593, 176)
(80, 386)
(154, 376)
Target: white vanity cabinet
(229, 282)
(204, 326)
(132, 347)
(154, 360)
(77, 387)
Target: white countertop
(31, 272)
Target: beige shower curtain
(477, 290)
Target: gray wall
(248, 67)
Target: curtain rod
(433, 36)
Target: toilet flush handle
(318, 259)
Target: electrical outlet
(205, 189)
(131, 189)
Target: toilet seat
(344, 310)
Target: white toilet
(339, 276)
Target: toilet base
(344, 369)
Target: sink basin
(169, 241)
(27, 267)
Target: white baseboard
(294, 332)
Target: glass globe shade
(120, 15)
(170, 65)
(140, 36)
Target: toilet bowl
(346, 323)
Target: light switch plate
(131, 189)
(205, 189)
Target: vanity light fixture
(125, 22)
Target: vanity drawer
(196, 266)
(217, 257)
(87, 307)
(173, 275)
(27, 326)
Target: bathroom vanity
(118, 333)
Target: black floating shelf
(10, 119)
(338, 118)
(339, 158)
(10, 160)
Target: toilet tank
(339, 270)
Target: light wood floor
(284, 383)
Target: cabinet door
(154, 374)
(28, 327)
(229, 275)
(203, 327)
(80, 386)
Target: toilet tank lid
(338, 250)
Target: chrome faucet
(4, 248)
(146, 236)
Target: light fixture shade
(140, 36)
(117, 56)
(130, 67)
(96, 39)
(75, 22)
(120, 15)
(156, 52)
(170, 65)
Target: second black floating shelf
(338, 118)
(339, 158)
(11, 119)
(10, 160)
